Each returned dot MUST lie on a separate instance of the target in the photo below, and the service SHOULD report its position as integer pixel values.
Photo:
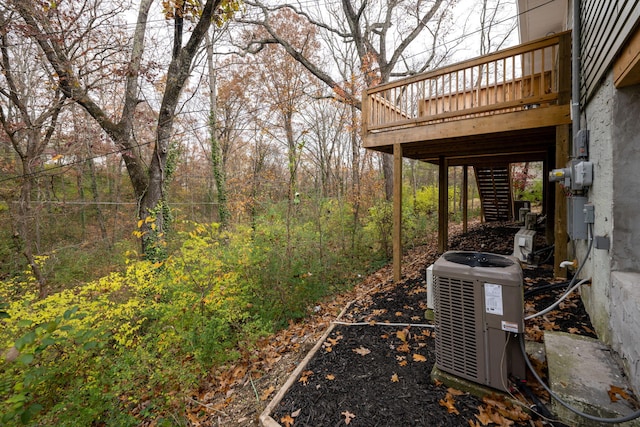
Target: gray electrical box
(577, 226)
(582, 174)
(589, 214)
(523, 244)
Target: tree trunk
(23, 237)
(217, 162)
(96, 197)
(387, 171)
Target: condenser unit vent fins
(457, 335)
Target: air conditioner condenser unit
(478, 302)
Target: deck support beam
(465, 198)
(563, 137)
(397, 212)
(443, 204)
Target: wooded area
(179, 181)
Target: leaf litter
(345, 382)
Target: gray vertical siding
(606, 25)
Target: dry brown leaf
(194, 420)
(266, 393)
(426, 332)
(450, 404)
(402, 335)
(455, 392)
(287, 420)
(330, 377)
(304, 378)
(483, 416)
(334, 341)
(403, 363)
(399, 313)
(516, 413)
(574, 330)
(348, 416)
(362, 351)
(550, 326)
(403, 348)
(394, 378)
(419, 358)
(294, 414)
(615, 391)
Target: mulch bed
(379, 374)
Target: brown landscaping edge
(265, 416)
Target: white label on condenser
(493, 299)
(510, 326)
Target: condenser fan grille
(478, 259)
(456, 339)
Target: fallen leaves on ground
(348, 416)
(419, 358)
(449, 403)
(455, 392)
(362, 351)
(266, 393)
(287, 420)
(500, 412)
(304, 378)
(615, 391)
(403, 334)
(403, 348)
(272, 348)
(331, 342)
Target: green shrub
(123, 349)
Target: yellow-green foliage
(195, 306)
(92, 354)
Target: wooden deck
(507, 107)
(504, 104)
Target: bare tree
(383, 34)
(59, 46)
(29, 111)
(328, 147)
(495, 29)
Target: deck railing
(530, 75)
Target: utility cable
(626, 418)
(562, 298)
(571, 286)
(413, 325)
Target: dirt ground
(379, 374)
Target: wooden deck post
(443, 204)
(549, 196)
(563, 136)
(465, 197)
(397, 212)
